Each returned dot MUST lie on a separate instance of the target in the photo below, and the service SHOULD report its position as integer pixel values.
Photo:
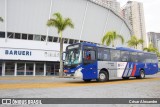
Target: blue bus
(94, 62)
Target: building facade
(134, 13)
(154, 38)
(29, 47)
(112, 4)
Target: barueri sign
(26, 54)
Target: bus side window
(140, 57)
(115, 55)
(89, 55)
(106, 55)
(100, 54)
(133, 56)
(154, 58)
(124, 56)
(148, 58)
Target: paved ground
(53, 87)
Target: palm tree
(1, 19)
(158, 54)
(151, 48)
(134, 42)
(60, 24)
(110, 37)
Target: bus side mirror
(63, 56)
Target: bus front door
(90, 64)
(90, 71)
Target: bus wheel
(125, 78)
(87, 80)
(142, 75)
(103, 76)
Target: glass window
(2, 34)
(24, 36)
(133, 56)
(154, 58)
(37, 37)
(29, 68)
(115, 55)
(140, 57)
(76, 41)
(125, 56)
(50, 38)
(20, 68)
(30, 37)
(39, 68)
(89, 54)
(71, 41)
(65, 40)
(43, 38)
(147, 58)
(56, 68)
(50, 69)
(9, 68)
(55, 39)
(81, 41)
(103, 54)
(17, 36)
(100, 54)
(73, 55)
(10, 35)
(106, 55)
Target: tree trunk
(61, 60)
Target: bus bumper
(78, 74)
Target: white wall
(40, 50)
(30, 16)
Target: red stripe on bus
(134, 70)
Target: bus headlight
(78, 73)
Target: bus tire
(125, 78)
(103, 76)
(142, 75)
(87, 80)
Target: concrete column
(15, 69)
(45, 69)
(34, 69)
(25, 69)
(3, 68)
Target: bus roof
(132, 50)
(118, 48)
(128, 49)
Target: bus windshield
(73, 55)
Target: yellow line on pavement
(69, 84)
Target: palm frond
(121, 37)
(151, 48)
(134, 41)
(59, 22)
(110, 37)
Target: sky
(151, 14)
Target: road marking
(70, 84)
